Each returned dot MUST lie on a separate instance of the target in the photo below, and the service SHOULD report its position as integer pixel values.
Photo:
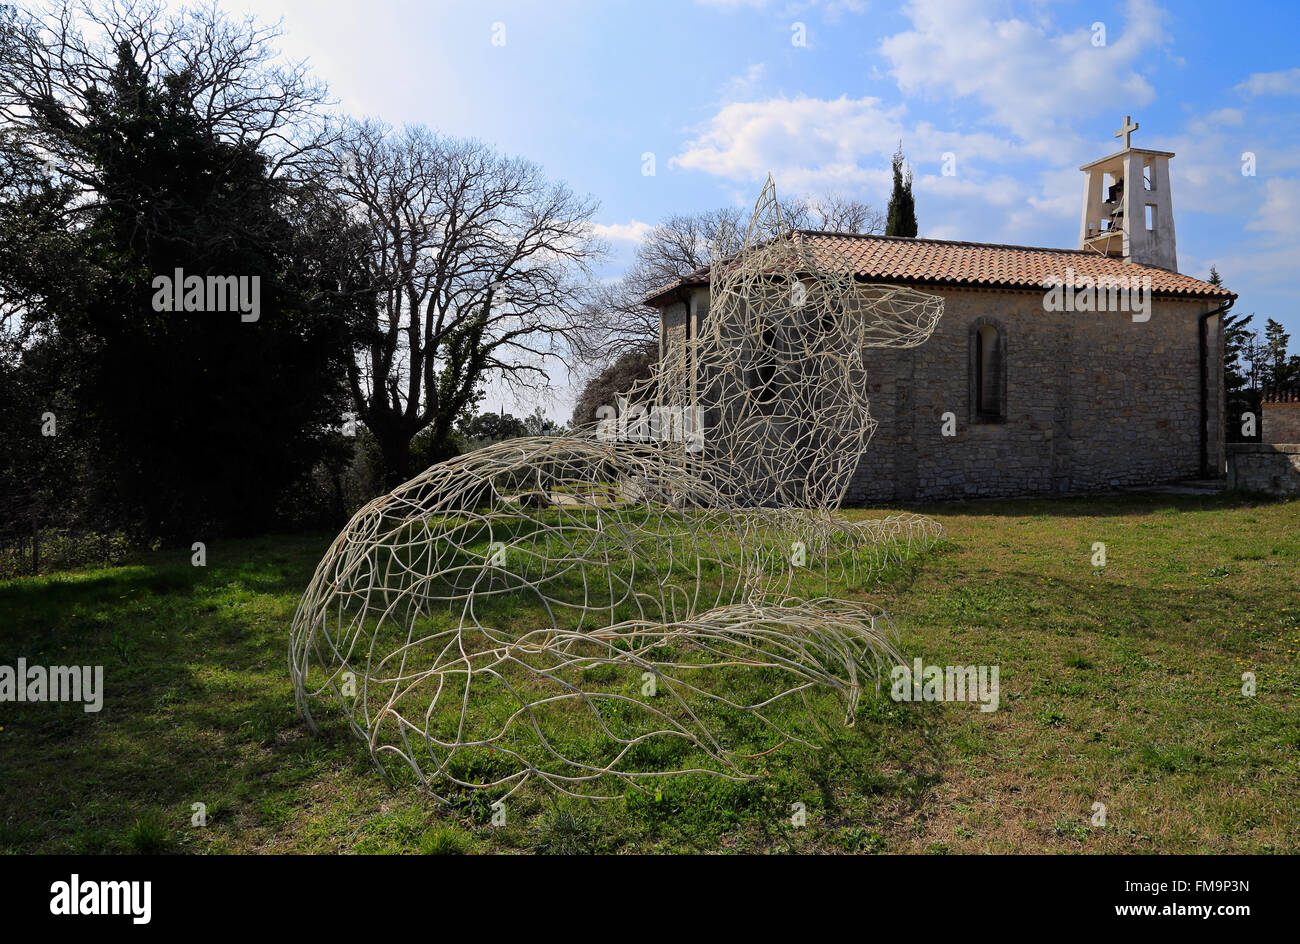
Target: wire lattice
(580, 609)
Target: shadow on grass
(1083, 506)
(197, 706)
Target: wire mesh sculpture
(775, 370)
(586, 608)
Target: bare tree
(475, 259)
(56, 63)
(837, 213)
(614, 318)
(684, 242)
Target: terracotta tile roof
(951, 262)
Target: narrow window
(765, 371)
(988, 374)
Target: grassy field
(1119, 685)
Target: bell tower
(1127, 210)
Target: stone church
(1051, 370)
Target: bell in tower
(1127, 210)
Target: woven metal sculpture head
(780, 379)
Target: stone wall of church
(1093, 401)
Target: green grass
(1119, 685)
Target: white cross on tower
(1127, 131)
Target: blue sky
(720, 93)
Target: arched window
(988, 372)
(760, 359)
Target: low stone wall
(1280, 422)
(1267, 468)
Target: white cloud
(811, 136)
(743, 86)
(1207, 174)
(814, 146)
(1215, 120)
(631, 232)
(1282, 82)
(1279, 211)
(1034, 80)
(820, 145)
(1248, 270)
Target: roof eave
(672, 293)
(677, 292)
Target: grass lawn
(1119, 685)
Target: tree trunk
(395, 448)
(340, 510)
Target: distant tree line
(1253, 362)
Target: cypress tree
(902, 208)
